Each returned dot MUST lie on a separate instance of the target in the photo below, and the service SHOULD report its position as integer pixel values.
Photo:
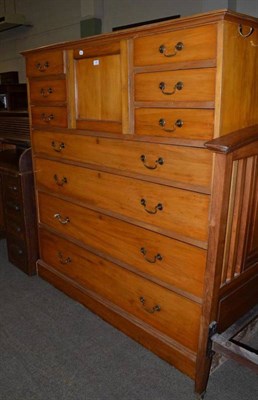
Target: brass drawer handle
(63, 260)
(62, 221)
(178, 86)
(158, 256)
(240, 31)
(149, 310)
(46, 92)
(178, 124)
(159, 161)
(47, 118)
(61, 182)
(42, 67)
(57, 146)
(159, 206)
(178, 47)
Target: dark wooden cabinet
(19, 211)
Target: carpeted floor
(52, 348)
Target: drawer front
(197, 85)
(45, 63)
(166, 311)
(178, 46)
(180, 211)
(48, 91)
(14, 207)
(150, 253)
(49, 116)
(186, 165)
(12, 187)
(15, 226)
(17, 253)
(175, 123)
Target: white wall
(59, 20)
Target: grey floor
(52, 348)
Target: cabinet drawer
(48, 91)
(166, 311)
(197, 85)
(185, 165)
(15, 226)
(17, 253)
(180, 211)
(49, 116)
(45, 63)
(175, 122)
(12, 187)
(150, 253)
(178, 46)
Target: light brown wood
(176, 123)
(49, 116)
(181, 266)
(198, 86)
(198, 44)
(53, 90)
(239, 79)
(140, 190)
(183, 212)
(46, 63)
(188, 166)
(125, 289)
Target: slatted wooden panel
(242, 225)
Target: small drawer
(45, 63)
(193, 124)
(184, 165)
(48, 91)
(15, 227)
(196, 85)
(12, 187)
(13, 207)
(190, 45)
(166, 311)
(181, 212)
(154, 255)
(49, 116)
(17, 253)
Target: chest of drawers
(145, 157)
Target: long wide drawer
(185, 165)
(177, 46)
(174, 315)
(154, 255)
(180, 211)
(196, 85)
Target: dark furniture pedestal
(19, 211)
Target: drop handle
(45, 92)
(62, 259)
(152, 310)
(158, 207)
(62, 220)
(159, 161)
(60, 182)
(178, 47)
(178, 124)
(157, 257)
(57, 146)
(47, 118)
(42, 67)
(177, 87)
